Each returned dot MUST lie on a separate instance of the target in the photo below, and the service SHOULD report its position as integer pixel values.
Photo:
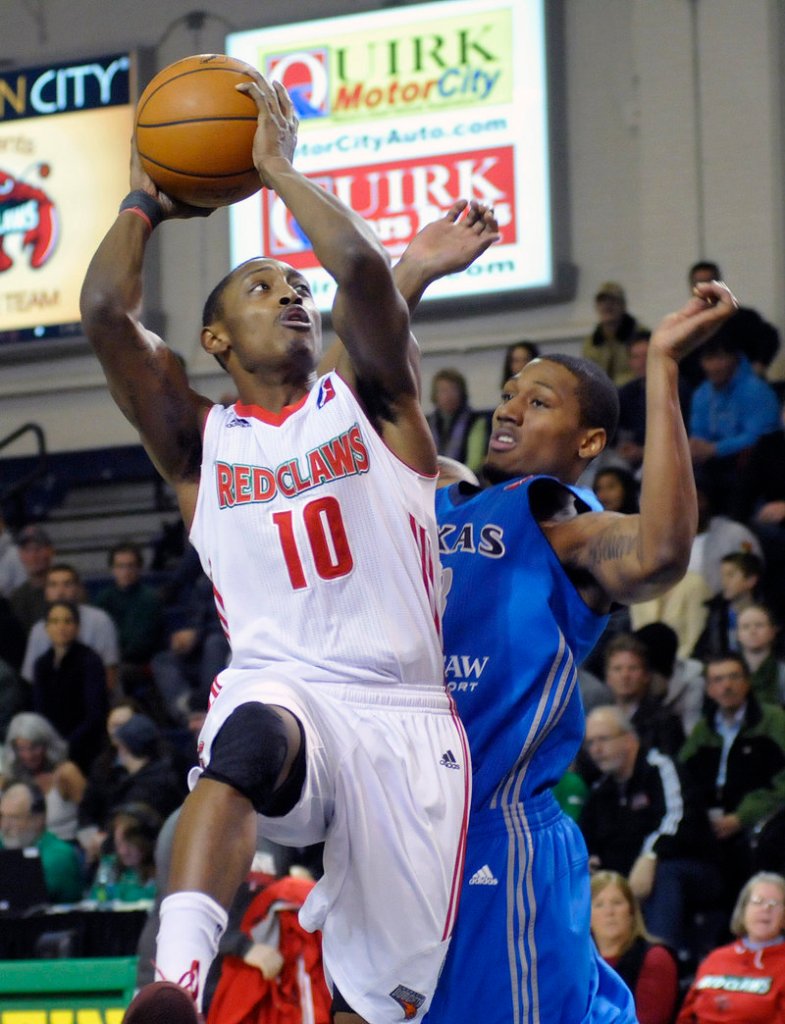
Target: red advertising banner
(399, 198)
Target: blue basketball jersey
(515, 630)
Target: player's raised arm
(369, 314)
(445, 246)
(144, 376)
(633, 558)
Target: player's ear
(214, 341)
(592, 442)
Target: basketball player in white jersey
(311, 504)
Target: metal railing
(12, 494)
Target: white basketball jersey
(321, 544)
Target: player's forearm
(112, 287)
(668, 501)
(337, 234)
(411, 280)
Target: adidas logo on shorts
(448, 760)
(483, 876)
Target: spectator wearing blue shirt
(731, 410)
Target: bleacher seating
(90, 499)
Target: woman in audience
(744, 982)
(617, 490)
(127, 872)
(756, 631)
(648, 967)
(36, 752)
(459, 432)
(516, 357)
(69, 685)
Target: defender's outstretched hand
(454, 241)
(681, 332)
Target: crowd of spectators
(685, 695)
(100, 704)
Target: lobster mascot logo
(27, 211)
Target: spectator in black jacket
(639, 820)
(69, 685)
(741, 573)
(734, 759)
(150, 777)
(628, 676)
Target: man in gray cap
(608, 344)
(28, 602)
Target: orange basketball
(194, 131)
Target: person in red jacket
(744, 982)
(280, 980)
(647, 966)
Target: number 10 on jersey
(327, 540)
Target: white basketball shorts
(387, 790)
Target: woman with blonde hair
(744, 982)
(646, 965)
(35, 751)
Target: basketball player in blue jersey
(532, 570)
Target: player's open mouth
(295, 318)
(501, 441)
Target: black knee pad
(248, 754)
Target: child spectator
(741, 573)
(617, 490)
(757, 634)
(127, 873)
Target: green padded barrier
(94, 991)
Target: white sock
(192, 924)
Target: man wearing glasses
(639, 820)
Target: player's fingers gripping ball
(194, 131)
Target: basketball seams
(200, 175)
(144, 100)
(149, 125)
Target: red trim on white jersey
(274, 419)
(221, 610)
(422, 541)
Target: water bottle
(104, 881)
